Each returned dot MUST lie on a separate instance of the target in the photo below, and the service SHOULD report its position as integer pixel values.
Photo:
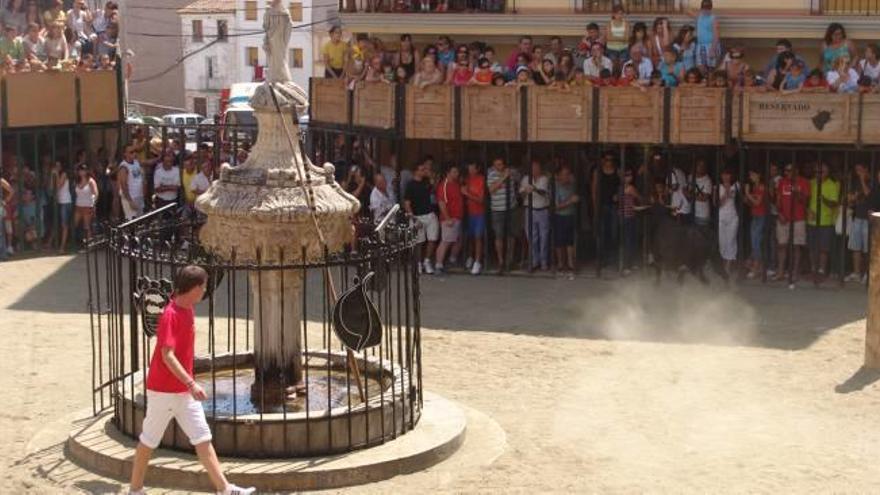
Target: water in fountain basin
(226, 396)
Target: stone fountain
(261, 212)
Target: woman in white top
(64, 202)
(86, 198)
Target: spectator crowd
(61, 202)
(49, 35)
(618, 53)
(779, 220)
(776, 211)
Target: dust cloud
(692, 313)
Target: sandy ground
(599, 386)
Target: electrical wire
(208, 45)
(230, 35)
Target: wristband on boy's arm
(190, 384)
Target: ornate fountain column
(259, 212)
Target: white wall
(153, 54)
(301, 38)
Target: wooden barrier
(430, 112)
(631, 115)
(374, 105)
(36, 99)
(799, 118)
(330, 101)
(698, 116)
(870, 119)
(557, 116)
(99, 97)
(490, 113)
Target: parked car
(184, 119)
(207, 132)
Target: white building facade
(237, 56)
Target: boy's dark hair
(362, 37)
(188, 278)
(592, 26)
(604, 74)
(816, 73)
(489, 49)
(865, 81)
(784, 42)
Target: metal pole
(621, 171)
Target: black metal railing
(845, 7)
(352, 402)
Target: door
(200, 106)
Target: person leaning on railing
(333, 54)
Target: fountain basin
(248, 426)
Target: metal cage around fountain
(353, 400)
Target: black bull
(684, 248)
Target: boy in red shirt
(172, 393)
(451, 204)
(792, 196)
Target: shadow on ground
(861, 379)
(633, 309)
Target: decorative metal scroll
(356, 319)
(151, 298)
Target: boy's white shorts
(162, 407)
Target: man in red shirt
(451, 204)
(172, 392)
(792, 196)
(475, 192)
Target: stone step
(98, 446)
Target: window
(296, 58)
(197, 34)
(222, 30)
(296, 11)
(210, 67)
(252, 55)
(200, 106)
(250, 11)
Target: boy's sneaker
(476, 268)
(429, 270)
(469, 263)
(237, 490)
(852, 277)
(439, 268)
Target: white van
(181, 119)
